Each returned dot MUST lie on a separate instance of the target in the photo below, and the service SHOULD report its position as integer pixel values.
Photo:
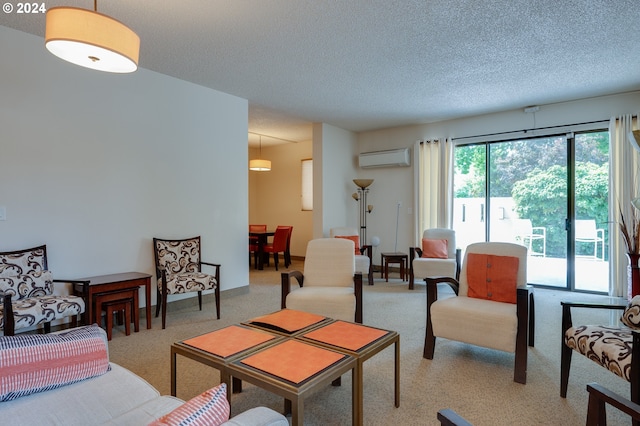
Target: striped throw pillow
(210, 408)
(40, 362)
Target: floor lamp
(361, 196)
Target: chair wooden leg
(596, 412)
(522, 350)
(217, 295)
(429, 343)
(158, 302)
(565, 366)
(164, 307)
(430, 338)
(47, 327)
(532, 320)
(200, 300)
(275, 260)
(520, 368)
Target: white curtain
(434, 186)
(623, 187)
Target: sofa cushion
(437, 249)
(356, 242)
(258, 416)
(492, 277)
(210, 407)
(41, 362)
(118, 394)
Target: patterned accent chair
(615, 348)
(179, 271)
(329, 285)
(364, 255)
(492, 306)
(27, 288)
(422, 260)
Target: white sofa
(117, 397)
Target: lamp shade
(363, 183)
(91, 39)
(260, 165)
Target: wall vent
(392, 158)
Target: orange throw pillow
(355, 239)
(492, 277)
(438, 249)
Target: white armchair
(492, 308)
(364, 253)
(423, 264)
(329, 285)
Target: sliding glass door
(548, 194)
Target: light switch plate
(3, 213)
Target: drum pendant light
(259, 165)
(92, 40)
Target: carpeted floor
(475, 382)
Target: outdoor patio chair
(525, 233)
(587, 233)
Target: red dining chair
(279, 244)
(287, 253)
(253, 243)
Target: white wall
(397, 184)
(94, 165)
(275, 196)
(334, 155)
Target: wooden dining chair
(254, 248)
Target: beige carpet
(475, 382)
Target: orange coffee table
(218, 348)
(294, 369)
(361, 342)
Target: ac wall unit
(392, 158)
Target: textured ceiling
(371, 64)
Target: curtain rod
(272, 137)
(530, 130)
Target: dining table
(262, 239)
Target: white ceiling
(370, 64)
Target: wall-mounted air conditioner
(392, 158)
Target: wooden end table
(112, 283)
(394, 257)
